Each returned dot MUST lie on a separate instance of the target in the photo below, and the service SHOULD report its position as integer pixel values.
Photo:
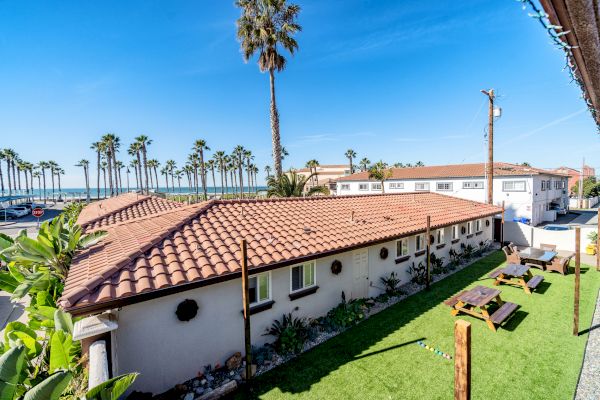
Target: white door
(360, 287)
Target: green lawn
(533, 356)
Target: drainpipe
(98, 364)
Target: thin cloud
(328, 137)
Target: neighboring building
(147, 266)
(326, 175)
(575, 175)
(527, 192)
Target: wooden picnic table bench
(517, 274)
(476, 302)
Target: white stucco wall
(525, 235)
(531, 203)
(151, 340)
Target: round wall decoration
(431, 239)
(383, 253)
(487, 222)
(187, 310)
(336, 267)
(463, 230)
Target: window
(375, 186)
(439, 237)
(454, 232)
(363, 186)
(422, 186)
(345, 186)
(473, 185)
(469, 227)
(259, 288)
(401, 248)
(444, 186)
(543, 185)
(420, 242)
(478, 225)
(564, 184)
(396, 185)
(303, 276)
(513, 186)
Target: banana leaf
(112, 389)
(62, 351)
(50, 388)
(11, 365)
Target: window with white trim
(444, 186)
(543, 185)
(454, 232)
(478, 225)
(396, 185)
(513, 186)
(401, 248)
(420, 242)
(363, 186)
(439, 236)
(259, 288)
(345, 186)
(302, 276)
(422, 186)
(473, 185)
(376, 186)
(469, 227)
(564, 184)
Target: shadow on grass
(514, 321)
(588, 330)
(309, 368)
(542, 288)
(389, 348)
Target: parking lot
(29, 222)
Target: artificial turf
(534, 355)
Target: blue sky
(397, 81)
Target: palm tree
(85, 164)
(43, 166)
(262, 27)
(119, 166)
(37, 175)
(255, 172)
(170, 165)
(22, 167)
(59, 172)
(108, 141)
(144, 142)
(178, 174)
(238, 154)
(189, 170)
(312, 167)
(18, 162)
(219, 158)
(53, 166)
(104, 166)
(10, 156)
(154, 164)
(127, 172)
(199, 147)
(247, 155)
(165, 171)
(210, 164)
(364, 164)
(134, 164)
(268, 171)
(225, 168)
(98, 147)
(380, 172)
(2, 157)
(292, 185)
(350, 154)
(419, 164)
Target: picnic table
(476, 303)
(520, 273)
(537, 256)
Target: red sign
(37, 212)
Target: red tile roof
(454, 171)
(190, 246)
(122, 208)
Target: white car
(19, 211)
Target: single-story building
(150, 263)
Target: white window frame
(424, 184)
(440, 236)
(478, 225)
(420, 244)
(403, 247)
(345, 186)
(363, 186)
(543, 185)
(396, 185)
(473, 185)
(513, 184)
(376, 186)
(469, 227)
(257, 277)
(455, 232)
(313, 265)
(444, 186)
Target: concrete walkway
(11, 311)
(589, 380)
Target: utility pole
(580, 189)
(490, 162)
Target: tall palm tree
(144, 142)
(225, 168)
(59, 172)
(193, 160)
(98, 147)
(22, 167)
(165, 171)
(268, 171)
(350, 155)
(38, 175)
(265, 25)
(135, 150)
(380, 172)
(210, 164)
(312, 167)
(134, 164)
(119, 167)
(364, 164)
(43, 166)
(419, 164)
(104, 166)
(188, 170)
(199, 147)
(154, 165)
(53, 166)
(238, 155)
(108, 141)
(179, 174)
(219, 158)
(18, 162)
(254, 173)
(10, 156)
(85, 164)
(2, 157)
(171, 165)
(248, 157)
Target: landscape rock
(235, 361)
(189, 396)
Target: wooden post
(462, 360)
(577, 278)
(490, 162)
(428, 251)
(246, 301)
(502, 227)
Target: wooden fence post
(462, 360)
(502, 227)
(428, 252)
(577, 278)
(246, 301)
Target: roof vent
(307, 229)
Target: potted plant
(591, 248)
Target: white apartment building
(326, 175)
(527, 192)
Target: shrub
(72, 211)
(455, 259)
(344, 314)
(290, 334)
(418, 273)
(391, 284)
(437, 264)
(468, 252)
(262, 354)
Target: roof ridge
(99, 204)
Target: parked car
(559, 209)
(557, 228)
(7, 214)
(32, 205)
(20, 211)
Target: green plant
(111, 389)
(290, 334)
(418, 273)
(467, 252)
(72, 210)
(292, 185)
(437, 264)
(593, 237)
(391, 284)
(455, 259)
(344, 314)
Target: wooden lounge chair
(512, 257)
(548, 247)
(559, 264)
